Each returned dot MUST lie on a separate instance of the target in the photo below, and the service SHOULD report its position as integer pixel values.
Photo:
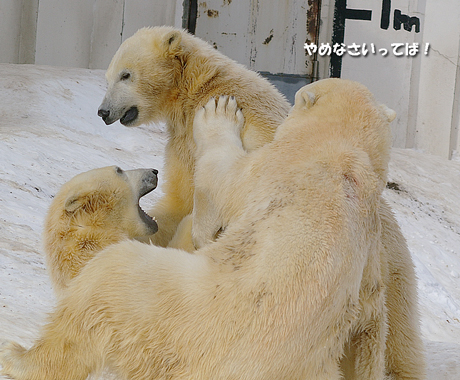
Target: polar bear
(276, 296)
(224, 174)
(356, 121)
(164, 74)
(403, 357)
(91, 211)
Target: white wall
(28, 31)
(388, 77)
(10, 27)
(64, 31)
(439, 90)
(83, 33)
(107, 32)
(17, 30)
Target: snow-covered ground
(50, 131)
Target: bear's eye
(119, 170)
(125, 76)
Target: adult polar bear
(163, 74)
(281, 290)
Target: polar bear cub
(91, 211)
(350, 145)
(351, 142)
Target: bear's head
(336, 107)
(346, 94)
(91, 211)
(142, 76)
(102, 203)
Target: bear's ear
(172, 43)
(73, 203)
(389, 113)
(304, 98)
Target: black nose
(103, 113)
(155, 171)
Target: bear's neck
(202, 70)
(77, 247)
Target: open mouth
(130, 116)
(150, 222)
(149, 183)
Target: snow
(50, 131)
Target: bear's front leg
(218, 126)
(38, 363)
(16, 363)
(11, 360)
(64, 352)
(216, 131)
(42, 362)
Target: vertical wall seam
(122, 22)
(27, 41)
(455, 121)
(252, 28)
(21, 34)
(414, 91)
(36, 29)
(91, 38)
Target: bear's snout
(104, 114)
(127, 118)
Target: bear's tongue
(129, 116)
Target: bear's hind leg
(370, 358)
(405, 356)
